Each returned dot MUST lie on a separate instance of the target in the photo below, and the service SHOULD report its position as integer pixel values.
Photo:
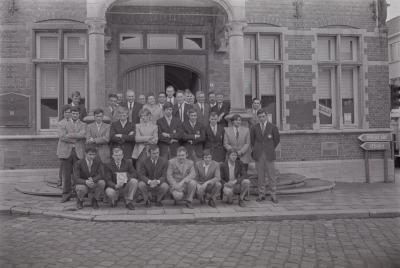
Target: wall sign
(14, 109)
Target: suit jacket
(142, 133)
(71, 135)
(81, 171)
(111, 170)
(127, 141)
(189, 141)
(82, 111)
(186, 108)
(174, 130)
(240, 171)
(176, 172)
(213, 172)
(203, 117)
(149, 171)
(223, 111)
(254, 118)
(216, 143)
(242, 145)
(111, 113)
(101, 139)
(134, 113)
(264, 142)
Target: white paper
(122, 177)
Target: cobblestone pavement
(53, 242)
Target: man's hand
(118, 135)
(196, 136)
(91, 140)
(117, 186)
(166, 135)
(89, 182)
(131, 133)
(174, 140)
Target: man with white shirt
(208, 179)
(202, 108)
(98, 135)
(212, 100)
(170, 91)
(162, 99)
(169, 132)
(256, 106)
(181, 108)
(133, 107)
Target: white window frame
(332, 47)
(122, 35)
(203, 40)
(82, 35)
(277, 47)
(65, 82)
(355, 48)
(38, 36)
(334, 89)
(149, 35)
(356, 89)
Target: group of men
(196, 154)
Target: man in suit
(256, 106)
(153, 177)
(111, 111)
(208, 179)
(181, 177)
(169, 132)
(202, 108)
(66, 112)
(88, 177)
(215, 138)
(98, 135)
(162, 99)
(237, 137)
(170, 91)
(121, 179)
(76, 102)
(212, 100)
(181, 108)
(122, 133)
(222, 109)
(234, 178)
(133, 107)
(264, 139)
(194, 136)
(70, 149)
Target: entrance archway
(154, 78)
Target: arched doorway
(154, 78)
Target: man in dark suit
(88, 178)
(121, 179)
(202, 108)
(234, 178)
(153, 177)
(194, 136)
(264, 138)
(122, 133)
(222, 109)
(169, 132)
(181, 109)
(215, 138)
(133, 107)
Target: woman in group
(154, 108)
(146, 134)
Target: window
(64, 71)
(131, 41)
(394, 51)
(338, 86)
(262, 73)
(195, 42)
(162, 41)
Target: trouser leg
(261, 175)
(162, 191)
(190, 190)
(112, 194)
(99, 189)
(66, 175)
(244, 188)
(270, 171)
(130, 190)
(228, 192)
(81, 191)
(143, 189)
(214, 190)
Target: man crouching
(88, 178)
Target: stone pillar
(96, 63)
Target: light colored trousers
(159, 191)
(209, 192)
(187, 191)
(95, 192)
(240, 189)
(265, 169)
(128, 191)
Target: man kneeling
(234, 178)
(181, 177)
(88, 178)
(208, 179)
(121, 178)
(152, 174)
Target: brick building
(319, 66)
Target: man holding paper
(121, 179)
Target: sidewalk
(346, 200)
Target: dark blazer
(186, 108)
(205, 116)
(81, 171)
(127, 142)
(216, 143)
(176, 132)
(190, 142)
(111, 169)
(223, 110)
(135, 112)
(240, 171)
(266, 142)
(147, 171)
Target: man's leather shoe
(159, 204)
(274, 199)
(130, 206)
(189, 204)
(79, 204)
(95, 204)
(241, 203)
(113, 204)
(147, 204)
(65, 198)
(260, 198)
(211, 203)
(202, 200)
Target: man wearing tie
(181, 108)
(222, 109)
(162, 99)
(256, 106)
(111, 110)
(194, 136)
(153, 177)
(133, 107)
(215, 138)
(169, 132)
(98, 135)
(202, 108)
(264, 139)
(170, 91)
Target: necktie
(219, 106)
(90, 166)
(237, 133)
(181, 112)
(201, 109)
(262, 128)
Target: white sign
(122, 177)
(325, 110)
(347, 118)
(53, 122)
